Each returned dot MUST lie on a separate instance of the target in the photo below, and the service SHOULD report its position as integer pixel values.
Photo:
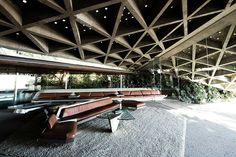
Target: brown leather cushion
(136, 93)
(52, 95)
(52, 120)
(61, 131)
(110, 93)
(155, 92)
(84, 94)
(97, 94)
(85, 107)
(146, 92)
(94, 112)
(124, 93)
(132, 103)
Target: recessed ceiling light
(83, 25)
(132, 17)
(97, 11)
(128, 12)
(55, 22)
(146, 6)
(84, 30)
(101, 42)
(90, 28)
(63, 20)
(124, 7)
(106, 8)
(172, 7)
(17, 33)
(66, 27)
(219, 32)
(126, 19)
(104, 17)
(24, 1)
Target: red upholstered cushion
(136, 93)
(146, 92)
(124, 93)
(52, 120)
(155, 92)
(97, 94)
(52, 95)
(76, 109)
(84, 94)
(113, 93)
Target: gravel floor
(154, 133)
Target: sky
(7, 82)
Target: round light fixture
(63, 20)
(106, 8)
(104, 17)
(55, 22)
(24, 1)
(66, 27)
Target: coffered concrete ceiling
(194, 39)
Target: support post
(67, 75)
(15, 89)
(121, 81)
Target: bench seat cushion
(136, 93)
(125, 93)
(76, 109)
(146, 92)
(155, 92)
(92, 113)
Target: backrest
(82, 107)
(52, 120)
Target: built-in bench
(97, 94)
(59, 132)
(87, 110)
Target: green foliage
(192, 92)
(88, 81)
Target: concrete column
(66, 78)
(121, 81)
(15, 89)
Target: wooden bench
(83, 112)
(59, 132)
